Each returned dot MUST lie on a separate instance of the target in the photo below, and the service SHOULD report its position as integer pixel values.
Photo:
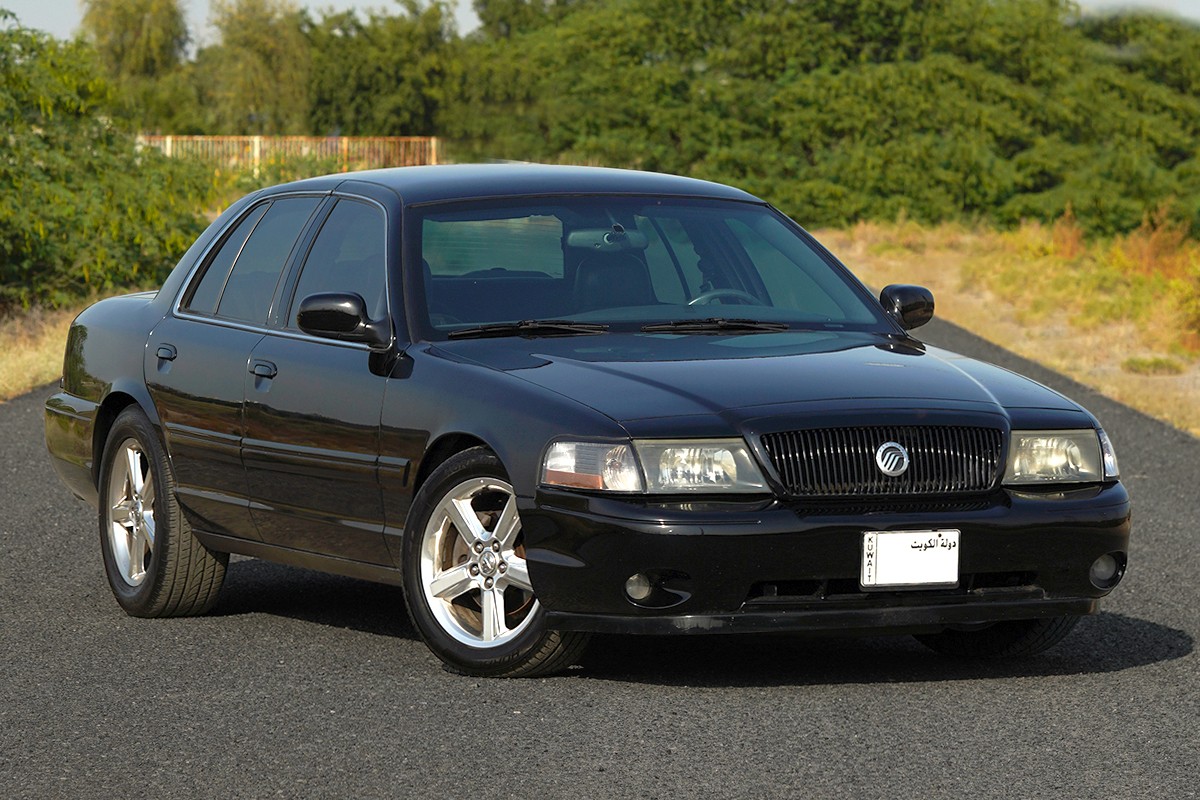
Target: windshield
(627, 262)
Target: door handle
(264, 369)
(166, 352)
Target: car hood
(639, 376)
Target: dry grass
(31, 349)
(1100, 312)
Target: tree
(256, 78)
(380, 77)
(846, 109)
(141, 44)
(136, 38)
(82, 209)
(500, 19)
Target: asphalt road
(306, 685)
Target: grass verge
(1119, 315)
(31, 349)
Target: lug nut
(503, 567)
(474, 569)
(479, 547)
(495, 546)
(488, 583)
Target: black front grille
(840, 462)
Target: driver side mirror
(911, 306)
(334, 315)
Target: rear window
(528, 243)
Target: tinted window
(207, 292)
(251, 285)
(347, 256)
(629, 261)
(671, 259)
(790, 273)
(531, 242)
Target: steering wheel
(709, 296)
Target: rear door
(313, 405)
(197, 359)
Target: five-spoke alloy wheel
(473, 571)
(130, 502)
(466, 579)
(155, 567)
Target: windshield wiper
(530, 327)
(715, 325)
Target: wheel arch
(442, 449)
(119, 398)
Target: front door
(313, 406)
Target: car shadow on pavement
(1104, 643)
(253, 586)
(1107, 642)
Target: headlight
(1056, 457)
(1110, 456)
(592, 465)
(713, 465)
(661, 466)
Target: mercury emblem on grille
(892, 459)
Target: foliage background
(983, 112)
(81, 209)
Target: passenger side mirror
(334, 315)
(911, 306)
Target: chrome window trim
(180, 313)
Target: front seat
(612, 280)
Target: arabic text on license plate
(898, 559)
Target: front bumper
(774, 566)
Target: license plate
(909, 559)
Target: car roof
(471, 181)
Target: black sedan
(549, 401)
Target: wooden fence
(348, 152)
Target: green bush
(840, 110)
(82, 209)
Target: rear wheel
(155, 567)
(466, 580)
(1012, 639)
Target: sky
(61, 17)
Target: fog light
(1106, 571)
(638, 587)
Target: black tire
(1013, 639)
(172, 574)
(433, 548)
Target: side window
(204, 297)
(251, 284)
(348, 255)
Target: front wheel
(466, 579)
(1013, 639)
